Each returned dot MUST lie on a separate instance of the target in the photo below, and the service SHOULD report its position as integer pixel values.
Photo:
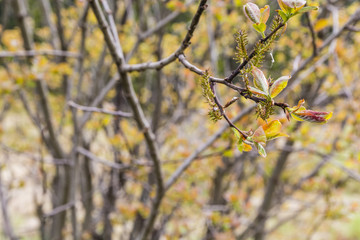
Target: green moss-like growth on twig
(265, 109)
(214, 112)
(241, 40)
(262, 47)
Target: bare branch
(160, 25)
(185, 43)
(99, 110)
(94, 158)
(312, 32)
(187, 162)
(33, 53)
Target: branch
(353, 18)
(312, 32)
(242, 91)
(8, 228)
(162, 23)
(188, 161)
(33, 53)
(107, 163)
(185, 43)
(99, 110)
(98, 99)
(252, 54)
(139, 116)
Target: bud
(252, 12)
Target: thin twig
(160, 25)
(188, 161)
(33, 53)
(252, 54)
(99, 110)
(185, 43)
(312, 32)
(107, 163)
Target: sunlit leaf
(283, 16)
(279, 85)
(308, 9)
(264, 14)
(272, 130)
(260, 27)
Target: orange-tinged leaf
(247, 147)
(259, 136)
(311, 116)
(264, 14)
(272, 130)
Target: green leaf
(283, 15)
(261, 149)
(260, 27)
(279, 85)
(236, 133)
(308, 9)
(260, 80)
(257, 91)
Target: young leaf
(279, 85)
(261, 149)
(260, 27)
(259, 136)
(311, 116)
(307, 9)
(264, 14)
(241, 145)
(257, 91)
(244, 147)
(283, 15)
(260, 80)
(294, 3)
(272, 130)
(285, 8)
(252, 12)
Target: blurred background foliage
(218, 196)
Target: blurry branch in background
(160, 25)
(7, 226)
(54, 38)
(210, 140)
(33, 53)
(99, 110)
(184, 44)
(312, 32)
(117, 166)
